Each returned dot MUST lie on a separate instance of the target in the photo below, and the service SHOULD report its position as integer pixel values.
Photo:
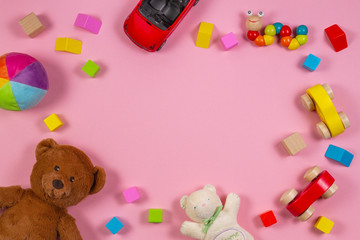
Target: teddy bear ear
(44, 146)
(183, 201)
(99, 180)
(210, 188)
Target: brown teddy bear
(61, 177)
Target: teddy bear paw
(234, 195)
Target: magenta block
(88, 22)
(131, 194)
(229, 41)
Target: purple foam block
(88, 22)
(131, 194)
(229, 41)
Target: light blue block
(339, 154)
(114, 225)
(311, 62)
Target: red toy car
(152, 21)
(321, 185)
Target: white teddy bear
(211, 221)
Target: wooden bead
(260, 41)
(252, 35)
(285, 41)
(294, 44)
(270, 30)
(285, 31)
(269, 40)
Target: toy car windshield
(162, 13)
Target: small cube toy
(131, 194)
(32, 25)
(88, 22)
(68, 45)
(268, 218)
(155, 215)
(339, 154)
(204, 35)
(294, 143)
(311, 62)
(91, 68)
(229, 41)
(337, 37)
(114, 225)
(53, 122)
(323, 224)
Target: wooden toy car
(332, 122)
(321, 185)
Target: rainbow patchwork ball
(23, 82)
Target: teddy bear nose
(58, 184)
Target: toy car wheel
(307, 102)
(344, 119)
(323, 130)
(196, 2)
(312, 173)
(328, 90)
(161, 46)
(330, 191)
(288, 196)
(307, 214)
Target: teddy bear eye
(56, 168)
(72, 179)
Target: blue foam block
(311, 62)
(339, 154)
(114, 225)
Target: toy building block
(339, 154)
(88, 22)
(323, 224)
(229, 41)
(114, 225)
(68, 45)
(268, 218)
(204, 35)
(91, 68)
(319, 98)
(337, 37)
(32, 25)
(294, 143)
(155, 215)
(321, 185)
(53, 122)
(131, 194)
(311, 62)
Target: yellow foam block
(68, 45)
(323, 224)
(204, 35)
(326, 109)
(53, 122)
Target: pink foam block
(131, 194)
(88, 22)
(229, 41)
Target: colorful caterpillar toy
(254, 24)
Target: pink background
(173, 121)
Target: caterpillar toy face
(254, 22)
